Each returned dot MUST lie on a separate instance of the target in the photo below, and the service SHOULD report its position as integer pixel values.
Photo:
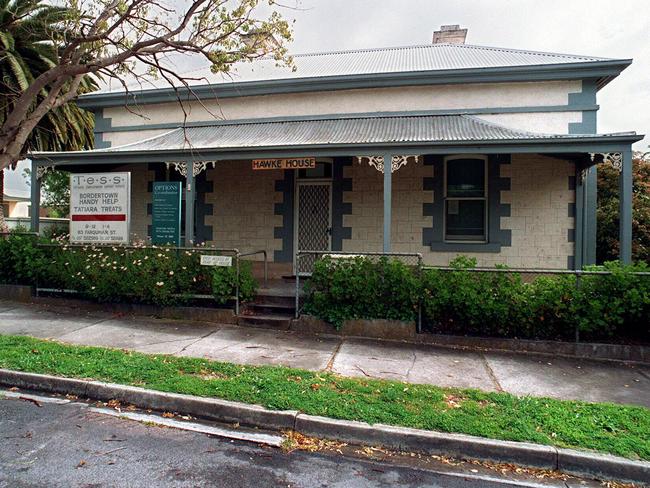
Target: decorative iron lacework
(397, 162)
(197, 169)
(613, 158)
(41, 170)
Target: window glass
(466, 178)
(465, 220)
(322, 170)
(465, 202)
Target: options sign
(100, 204)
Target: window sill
(493, 247)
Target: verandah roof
(341, 132)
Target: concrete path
(490, 371)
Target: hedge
(603, 307)
(359, 288)
(151, 275)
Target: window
(322, 170)
(466, 199)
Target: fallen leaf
(27, 399)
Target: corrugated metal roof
(430, 57)
(404, 59)
(340, 131)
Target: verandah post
(625, 208)
(35, 198)
(388, 164)
(190, 195)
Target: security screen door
(314, 225)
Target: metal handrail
(13, 233)
(266, 262)
(200, 249)
(574, 272)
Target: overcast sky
(606, 28)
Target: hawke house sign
(296, 163)
(99, 208)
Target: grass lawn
(615, 429)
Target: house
(440, 149)
(15, 205)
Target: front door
(314, 210)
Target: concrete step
(265, 308)
(271, 298)
(276, 322)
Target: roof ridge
(317, 118)
(529, 51)
(433, 46)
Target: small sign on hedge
(207, 260)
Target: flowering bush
(140, 274)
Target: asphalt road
(51, 445)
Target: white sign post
(100, 207)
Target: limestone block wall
(539, 218)
(539, 221)
(122, 126)
(366, 219)
(243, 204)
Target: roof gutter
(569, 144)
(603, 71)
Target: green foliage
(608, 192)
(472, 303)
(611, 307)
(55, 188)
(30, 31)
(152, 275)
(224, 283)
(360, 287)
(615, 429)
(616, 304)
(21, 259)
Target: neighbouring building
(15, 205)
(440, 149)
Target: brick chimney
(451, 34)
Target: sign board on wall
(166, 213)
(100, 205)
(295, 163)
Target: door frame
(296, 212)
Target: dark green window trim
(286, 209)
(497, 237)
(339, 207)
